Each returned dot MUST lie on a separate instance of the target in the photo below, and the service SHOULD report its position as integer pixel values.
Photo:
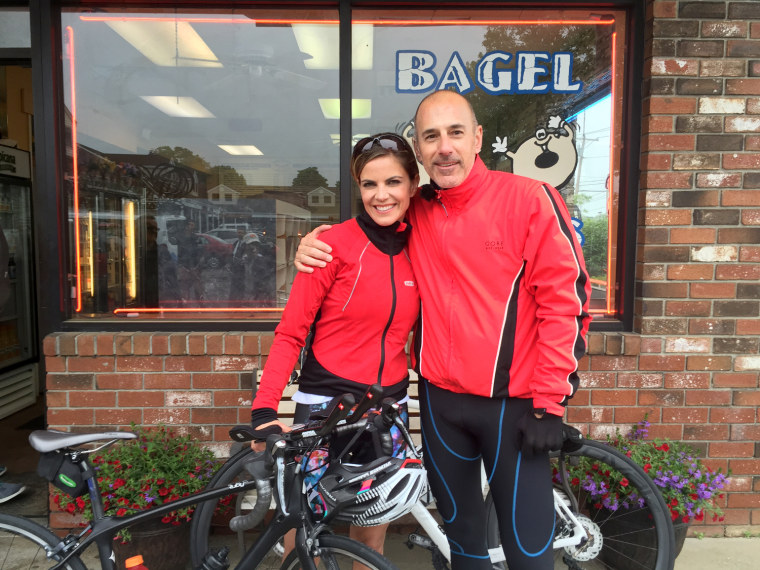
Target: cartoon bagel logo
(550, 155)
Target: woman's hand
(262, 445)
(312, 252)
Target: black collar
(385, 238)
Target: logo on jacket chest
(493, 245)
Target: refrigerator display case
(19, 386)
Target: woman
(361, 308)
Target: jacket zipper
(387, 325)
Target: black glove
(262, 416)
(537, 436)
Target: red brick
(667, 180)
(233, 398)
(104, 343)
(742, 86)
(139, 363)
(218, 381)
(171, 416)
(600, 363)
(118, 417)
(140, 399)
(692, 235)
(661, 398)
(85, 345)
(674, 67)
(719, 180)
(266, 343)
(745, 433)
(196, 344)
(747, 398)
(673, 415)
(668, 217)
(613, 398)
(187, 363)
(712, 290)
(738, 272)
(741, 197)
(251, 344)
(745, 466)
(214, 343)
(581, 398)
(671, 363)
(688, 308)
(670, 142)
(735, 380)
(670, 106)
(141, 344)
(50, 345)
(744, 500)
(656, 161)
(658, 124)
(733, 415)
(688, 380)
(751, 217)
(749, 254)
(639, 380)
(123, 343)
(724, 29)
(651, 345)
(698, 362)
(168, 381)
(233, 344)
(67, 344)
(92, 399)
(708, 397)
(56, 399)
(119, 381)
(595, 343)
(666, 431)
(90, 364)
(178, 344)
(705, 432)
(747, 326)
(731, 449)
(159, 344)
(226, 416)
(665, 9)
(70, 417)
(235, 363)
(737, 161)
(631, 416)
(67, 382)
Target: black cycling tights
(459, 429)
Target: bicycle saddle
(53, 440)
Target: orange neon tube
(375, 22)
(613, 88)
(75, 166)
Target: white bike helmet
(373, 493)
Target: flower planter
(162, 546)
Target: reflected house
(323, 205)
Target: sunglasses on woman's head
(389, 142)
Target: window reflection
(198, 153)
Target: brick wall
(693, 359)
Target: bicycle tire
(336, 552)
(25, 540)
(201, 523)
(624, 544)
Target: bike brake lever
(339, 412)
(369, 400)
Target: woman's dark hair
(383, 144)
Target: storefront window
(202, 145)
(544, 86)
(199, 149)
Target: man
(502, 326)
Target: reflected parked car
(216, 251)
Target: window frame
(53, 251)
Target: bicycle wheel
(335, 552)
(24, 544)
(201, 527)
(639, 538)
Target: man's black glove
(536, 436)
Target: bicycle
(585, 537)
(315, 546)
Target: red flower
(647, 467)
(167, 519)
(624, 482)
(70, 508)
(685, 519)
(163, 492)
(121, 512)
